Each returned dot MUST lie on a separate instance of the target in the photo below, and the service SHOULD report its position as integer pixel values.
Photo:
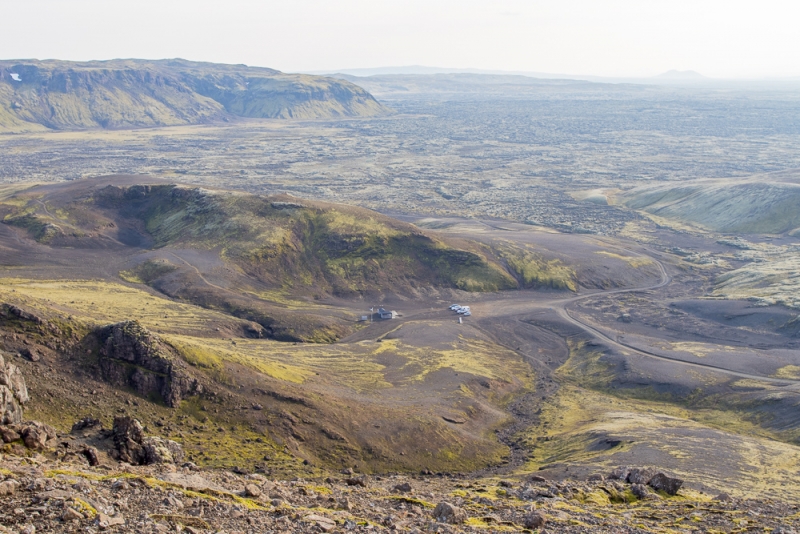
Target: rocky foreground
(121, 480)
(58, 491)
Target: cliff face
(61, 95)
(13, 393)
(131, 356)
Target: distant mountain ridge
(63, 95)
(681, 75)
(671, 78)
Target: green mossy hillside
(305, 246)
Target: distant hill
(385, 85)
(278, 247)
(63, 95)
(749, 206)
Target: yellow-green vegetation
(360, 366)
(99, 302)
(208, 494)
(260, 355)
(633, 261)
(348, 380)
(84, 507)
(592, 428)
(536, 272)
(788, 371)
(470, 355)
(770, 277)
(585, 365)
(585, 369)
(489, 523)
(147, 272)
(701, 350)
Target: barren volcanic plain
(628, 254)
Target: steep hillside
(38, 95)
(281, 241)
(251, 256)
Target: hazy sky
(719, 38)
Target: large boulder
(162, 451)
(641, 475)
(128, 434)
(38, 436)
(13, 393)
(133, 447)
(449, 513)
(534, 519)
(132, 356)
(669, 485)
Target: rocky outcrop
(640, 477)
(13, 393)
(14, 315)
(38, 436)
(132, 356)
(33, 434)
(133, 447)
(669, 485)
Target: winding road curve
(561, 309)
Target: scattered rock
(641, 475)
(9, 434)
(91, 455)
(71, 514)
(251, 490)
(662, 482)
(405, 487)
(356, 481)
(8, 487)
(620, 473)
(86, 422)
(105, 522)
(640, 491)
(56, 494)
(31, 355)
(162, 451)
(133, 447)
(449, 513)
(324, 523)
(36, 435)
(534, 520)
